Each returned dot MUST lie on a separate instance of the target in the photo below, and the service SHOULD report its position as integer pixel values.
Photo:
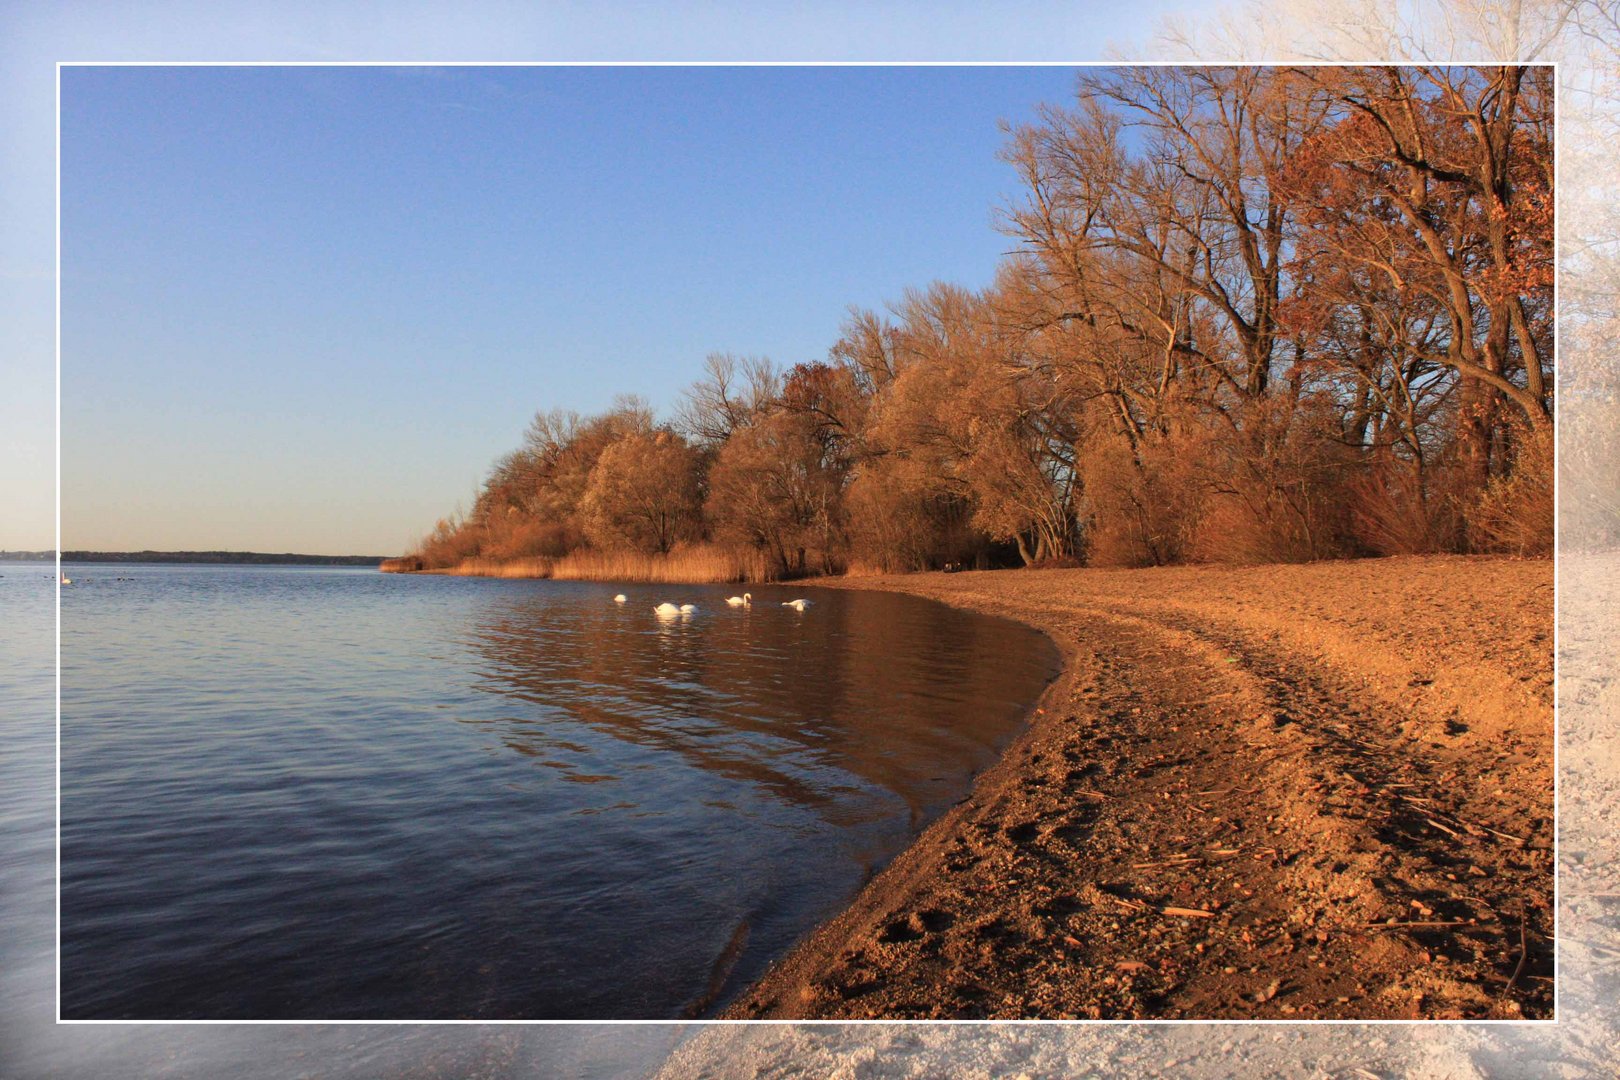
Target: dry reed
(694, 565)
(497, 568)
(698, 564)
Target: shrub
(1514, 514)
(1395, 509)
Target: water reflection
(866, 690)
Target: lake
(295, 792)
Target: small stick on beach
(1420, 925)
(1442, 828)
(1524, 955)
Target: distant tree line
(1253, 314)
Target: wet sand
(1294, 792)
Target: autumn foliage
(1252, 315)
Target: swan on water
(65, 579)
(666, 608)
(798, 605)
(687, 609)
(621, 598)
(745, 600)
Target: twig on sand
(1428, 925)
(1174, 860)
(1524, 955)
(1184, 912)
(1470, 827)
(1442, 828)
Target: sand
(1297, 792)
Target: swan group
(746, 600)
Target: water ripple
(293, 792)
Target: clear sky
(305, 308)
(124, 489)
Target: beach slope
(1297, 792)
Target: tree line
(1251, 314)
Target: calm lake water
(295, 792)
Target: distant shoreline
(247, 558)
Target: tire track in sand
(1199, 824)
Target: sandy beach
(1296, 792)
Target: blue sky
(306, 307)
(153, 473)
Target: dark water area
(293, 792)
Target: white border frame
(1557, 907)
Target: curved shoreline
(1248, 793)
(816, 953)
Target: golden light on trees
(1252, 314)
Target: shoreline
(1220, 809)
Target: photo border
(1302, 1023)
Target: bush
(452, 540)
(1276, 486)
(513, 536)
(1514, 514)
(1137, 505)
(1395, 510)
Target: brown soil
(1319, 791)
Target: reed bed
(533, 567)
(696, 565)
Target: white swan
(65, 579)
(798, 605)
(666, 608)
(688, 609)
(745, 600)
(621, 598)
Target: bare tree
(732, 392)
